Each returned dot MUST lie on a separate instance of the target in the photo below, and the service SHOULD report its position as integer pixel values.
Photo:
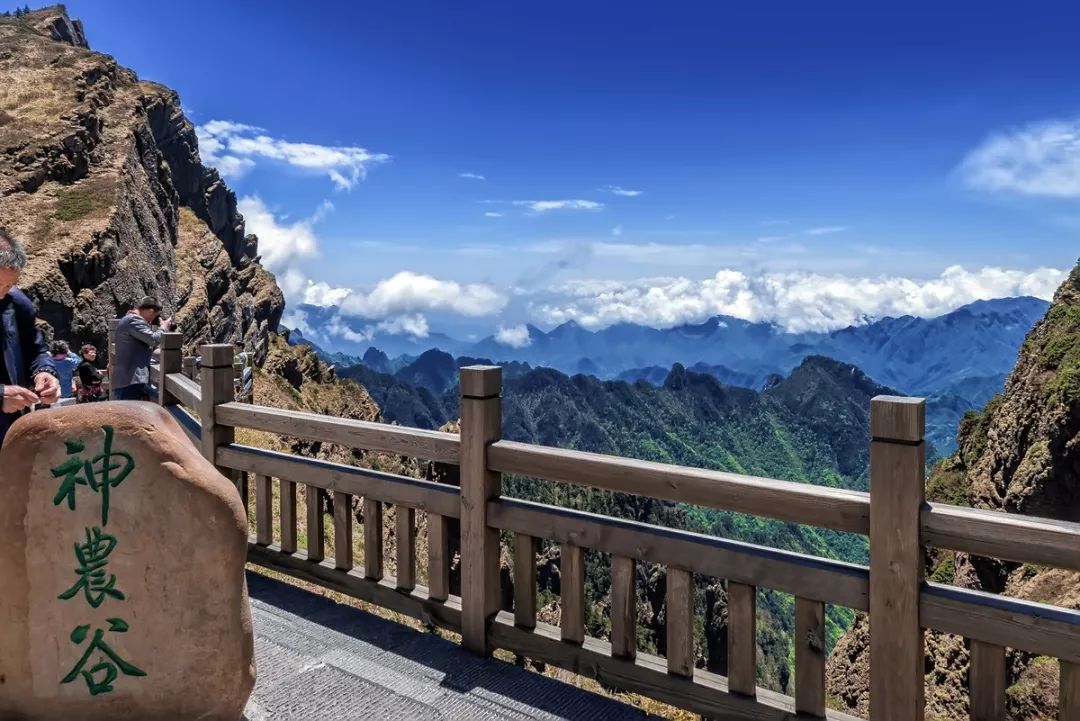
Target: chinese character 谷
(95, 473)
(93, 556)
(99, 678)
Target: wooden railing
(892, 589)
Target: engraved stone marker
(122, 592)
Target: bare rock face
(100, 178)
(123, 566)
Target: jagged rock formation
(100, 178)
(1020, 455)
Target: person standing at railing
(26, 360)
(137, 335)
(90, 377)
(65, 362)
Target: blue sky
(801, 162)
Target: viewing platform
(318, 660)
(310, 651)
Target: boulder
(122, 560)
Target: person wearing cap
(137, 335)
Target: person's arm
(43, 375)
(143, 332)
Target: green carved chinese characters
(96, 473)
(93, 556)
(99, 677)
(100, 665)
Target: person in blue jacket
(66, 362)
(27, 373)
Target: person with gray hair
(27, 373)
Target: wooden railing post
(217, 388)
(111, 356)
(171, 362)
(897, 494)
(481, 424)
(188, 366)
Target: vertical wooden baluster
(264, 512)
(524, 580)
(623, 607)
(1069, 695)
(897, 494)
(288, 516)
(316, 534)
(809, 657)
(405, 546)
(481, 424)
(572, 592)
(680, 622)
(373, 539)
(438, 564)
(343, 523)
(986, 680)
(742, 638)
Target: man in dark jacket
(27, 374)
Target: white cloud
(515, 336)
(323, 294)
(471, 176)
(543, 206)
(411, 293)
(617, 231)
(491, 214)
(414, 324)
(827, 230)
(796, 301)
(281, 243)
(234, 149)
(625, 192)
(1041, 158)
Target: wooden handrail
(844, 584)
(834, 508)
(891, 587)
(429, 445)
(386, 487)
(187, 391)
(1009, 536)
(1001, 620)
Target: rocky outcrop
(1020, 455)
(100, 178)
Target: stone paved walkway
(323, 661)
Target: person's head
(149, 308)
(12, 262)
(88, 352)
(59, 348)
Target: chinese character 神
(93, 556)
(95, 473)
(105, 670)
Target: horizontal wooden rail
(706, 693)
(819, 579)
(374, 485)
(1001, 620)
(839, 509)
(413, 442)
(383, 592)
(1009, 536)
(188, 422)
(187, 391)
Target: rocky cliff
(1020, 455)
(100, 178)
